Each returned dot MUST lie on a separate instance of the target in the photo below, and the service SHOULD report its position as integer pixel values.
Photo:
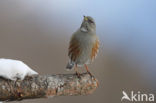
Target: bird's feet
(90, 74)
(78, 75)
(92, 77)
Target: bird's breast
(86, 44)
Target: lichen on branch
(42, 86)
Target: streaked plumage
(84, 44)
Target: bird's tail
(70, 65)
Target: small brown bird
(84, 45)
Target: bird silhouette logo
(125, 96)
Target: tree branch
(42, 86)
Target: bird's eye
(90, 21)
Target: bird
(83, 45)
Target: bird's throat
(84, 29)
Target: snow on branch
(42, 86)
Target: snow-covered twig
(15, 69)
(40, 86)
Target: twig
(41, 86)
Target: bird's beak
(85, 18)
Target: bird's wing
(74, 49)
(95, 49)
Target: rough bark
(41, 86)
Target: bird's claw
(78, 75)
(90, 75)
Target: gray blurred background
(38, 31)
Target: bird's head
(88, 24)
